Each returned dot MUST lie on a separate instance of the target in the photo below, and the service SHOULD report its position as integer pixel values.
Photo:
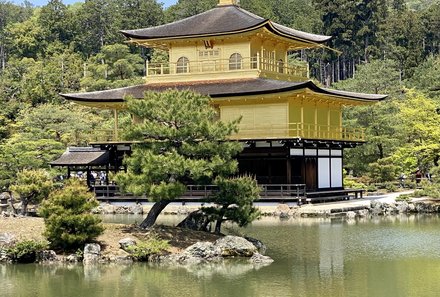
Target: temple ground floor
(284, 168)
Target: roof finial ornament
(228, 2)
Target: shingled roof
(217, 89)
(221, 20)
(82, 156)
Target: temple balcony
(299, 130)
(257, 132)
(213, 69)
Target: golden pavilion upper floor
(269, 109)
(225, 42)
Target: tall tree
(95, 24)
(134, 14)
(55, 19)
(181, 143)
(10, 13)
(378, 120)
(32, 186)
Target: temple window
(182, 65)
(209, 54)
(235, 61)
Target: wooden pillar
(289, 170)
(106, 174)
(116, 127)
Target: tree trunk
(154, 213)
(11, 202)
(24, 205)
(218, 226)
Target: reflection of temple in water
(331, 250)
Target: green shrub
(352, 183)
(25, 251)
(403, 197)
(69, 223)
(383, 170)
(390, 187)
(371, 188)
(431, 190)
(152, 246)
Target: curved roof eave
(272, 27)
(216, 89)
(219, 21)
(199, 35)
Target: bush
(233, 202)
(431, 190)
(152, 246)
(404, 197)
(383, 170)
(25, 251)
(390, 187)
(371, 188)
(69, 223)
(353, 183)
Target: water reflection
(331, 250)
(386, 256)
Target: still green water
(393, 256)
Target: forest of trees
(388, 46)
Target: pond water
(392, 256)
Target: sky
(44, 2)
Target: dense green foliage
(32, 186)
(182, 144)
(233, 202)
(25, 251)
(388, 46)
(152, 246)
(66, 213)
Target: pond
(384, 256)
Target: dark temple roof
(217, 89)
(82, 156)
(220, 20)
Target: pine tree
(182, 143)
(66, 213)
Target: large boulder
(92, 253)
(402, 207)
(195, 221)
(260, 259)
(126, 243)
(73, 258)
(204, 250)
(4, 257)
(261, 247)
(350, 215)
(7, 239)
(282, 210)
(235, 246)
(46, 256)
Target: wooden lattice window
(235, 61)
(182, 65)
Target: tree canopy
(182, 143)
